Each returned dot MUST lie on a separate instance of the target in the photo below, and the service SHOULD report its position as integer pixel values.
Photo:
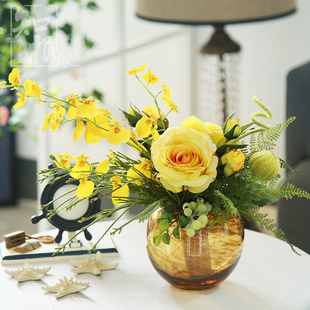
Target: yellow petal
(122, 191)
(142, 128)
(103, 166)
(85, 188)
(78, 130)
(118, 135)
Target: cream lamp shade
(213, 11)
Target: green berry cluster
(196, 213)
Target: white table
(269, 276)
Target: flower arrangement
(191, 171)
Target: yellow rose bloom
(216, 132)
(184, 158)
(233, 161)
(213, 130)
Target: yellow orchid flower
(145, 126)
(78, 130)
(119, 190)
(167, 98)
(63, 160)
(135, 144)
(141, 169)
(150, 78)
(117, 134)
(103, 166)
(58, 108)
(82, 167)
(14, 78)
(21, 101)
(86, 187)
(74, 101)
(30, 88)
(2, 84)
(87, 108)
(136, 70)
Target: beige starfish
(92, 265)
(65, 287)
(28, 273)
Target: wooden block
(14, 239)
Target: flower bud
(264, 165)
(231, 128)
(133, 116)
(233, 161)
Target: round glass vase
(199, 262)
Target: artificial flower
(14, 78)
(63, 160)
(2, 84)
(136, 70)
(86, 187)
(81, 168)
(142, 169)
(103, 166)
(117, 134)
(21, 100)
(87, 108)
(150, 78)
(120, 190)
(184, 158)
(167, 99)
(233, 161)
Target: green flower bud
(264, 165)
(232, 128)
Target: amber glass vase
(200, 262)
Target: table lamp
(220, 55)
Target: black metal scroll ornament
(57, 220)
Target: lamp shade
(213, 11)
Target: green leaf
(167, 215)
(56, 1)
(92, 5)
(166, 238)
(176, 233)
(88, 43)
(52, 157)
(224, 148)
(67, 29)
(157, 239)
(97, 95)
(182, 221)
(163, 225)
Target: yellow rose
(184, 157)
(217, 132)
(233, 161)
(213, 130)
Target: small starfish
(65, 287)
(91, 265)
(28, 273)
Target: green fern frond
(285, 165)
(266, 139)
(289, 190)
(268, 224)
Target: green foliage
(265, 140)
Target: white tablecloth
(269, 276)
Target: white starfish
(91, 265)
(65, 287)
(28, 273)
